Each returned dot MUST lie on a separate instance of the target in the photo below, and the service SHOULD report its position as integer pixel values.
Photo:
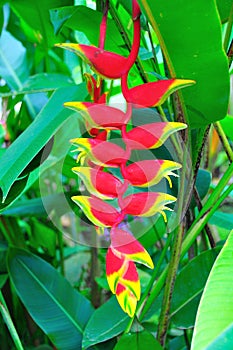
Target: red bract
(100, 152)
(99, 116)
(146, 203)
(98, 182)
(147, 173)
(152, 94)
(150, 136)
(98, 212)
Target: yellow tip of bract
(69, 46)
(77, 106)
(182, 83)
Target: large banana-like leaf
(55, 306)
(189, 33)
(214, 315)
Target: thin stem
(95, 293)
(103, 26)
(154, 275)
(173, 265)
(126, 39)
(10, 325)
(228, 30)
(61, 252)
(207, 228)
(169, 286)
(224, 141)
(201, 221)
(155, 61)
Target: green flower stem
(155, 272)
(10, 325)
(173, 138)
(228, 30)
(202, 218)
(174, 263)
(155, 61)
(169, 285)
(200, 222)
(224, 141)
(61, 251)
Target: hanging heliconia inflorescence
(97, 155)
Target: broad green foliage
(211, 322)
(193, 49)
(57, 308)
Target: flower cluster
(98, 154)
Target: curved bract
(152, 94)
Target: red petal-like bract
(100, 152)
(99, 115)
(98, 182)
(126, 245)
(147, 173)
(150, 136)
(152, 94)
(99, 212)
(146, 203)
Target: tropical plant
(141, 92)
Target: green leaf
(45, 82)
(223, 341)
(138, 341)
(3, 279)
(190, 37)
(224, 9)
(31, 141)
(13, 61)
(227, 125)
(59, 310)
(214, 314)
(1, 19)
(189, 286)
(105, 323)
(86, 20)
(35, 15)
(221, 219)
(42, 237)
(202, 184)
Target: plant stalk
(10, 325)
(224, 141)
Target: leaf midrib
(50, 295)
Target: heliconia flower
(150, 136)
(146, 203)
(99, 183)
(105, 63)
(100, 116)
(154, 93)
(124, 244)
(147, 173)
(100, 213)
(100, 152)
